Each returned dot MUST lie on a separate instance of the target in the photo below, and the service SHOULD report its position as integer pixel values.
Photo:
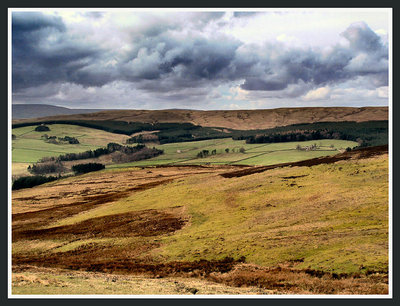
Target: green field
(28, 147)
(255, 154)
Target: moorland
(195, 202)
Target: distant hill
(234, 119)
(28, 111)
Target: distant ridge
(234, 119)
(28, 111)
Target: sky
(200, 59)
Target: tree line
(369, 133)
(57, 140)
(301, 136)
(121, 154)
(31, 181)
(206, 153)
(111, 147)
(85, 168)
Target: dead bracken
(140, 223)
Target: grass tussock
(293, 281)
(33, 280)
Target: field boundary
(363, 153)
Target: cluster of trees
(47, 167)
(31, 181)
(205, 153)
(135, 139)
(69, 139)
(119, 153)
(145, 153)
(50, 139)
(142, 139)
(312, 147)
(171, 138)
(241, 150)
(89, 167)
(42, 128)
(111, 147)
(301, 135)
(195, 133)
(58, 140)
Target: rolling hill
(234, 119)
(27, 111)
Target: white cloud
(287, 39)
(383, 92)
(321, 93)
(231, 106)
(381, 32)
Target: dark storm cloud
(205, 59)
(34, 21)
(163, 58)
(193, 63)
(259, 84)
(42, 52)
(37, 61)
(186, 63)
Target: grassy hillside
(255, 154)
(331, 218)
(29, 147)
(324, 211)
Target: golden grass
(46, 281)
(329, 217)
(19, 169)
(337, 209)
